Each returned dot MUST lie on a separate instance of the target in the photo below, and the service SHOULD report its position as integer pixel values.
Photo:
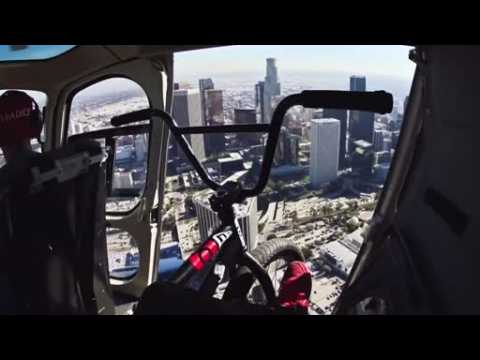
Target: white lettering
(222, 237)
(14, 115)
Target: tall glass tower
(361, 122)
(271, 88)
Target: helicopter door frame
(153, 78)
(383, 220)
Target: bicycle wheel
(274, 255)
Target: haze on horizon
(389, 60)
(386, 67)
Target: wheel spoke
(276, 270)
(275, 256)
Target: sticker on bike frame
(209, 249)
(220, 238)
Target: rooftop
(325, 121)
(363, 144)
(344, 257)
(183, 92)
(231, 157)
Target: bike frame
(227, 244)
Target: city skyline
(353, 59)
(321, 67)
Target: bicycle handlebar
(374, 101)
(378, 101)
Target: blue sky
(384, 60)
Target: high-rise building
(214, 106)
(394, 114)
(208, 220)
(187, 111)
(400, 120)
(288, 149)
(204, 85)
(395, 137)
(361, 122)
(265, 91)
(230, 164)
(324, 149)
(383, 157)
(214, 143)
(141, 147)
(383, 119)
(378, 140)
(246, 117)
(362, 158)
(340, 115)
(387, 144)
(271, 80)
(393, 125)
(358, 83)
(259, 101)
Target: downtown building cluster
(321, 144)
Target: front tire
(274, 255)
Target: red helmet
(20, 118)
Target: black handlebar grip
(377, 101)
(132, 117)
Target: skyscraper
(214, 143)
(288, 149)
(383, 157)
(361, 122)
(271, 80)
(363, 158)
(187, 111)
(246, 117)
(394, 114)
(387, 144)
(340, 115)
(203, 86)
(141, 147)
(378, 140)
(393, 125)
(395, 137)
(265, 91)
(358, 83)
(324, 149)
(208, 220)
(259, 101)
